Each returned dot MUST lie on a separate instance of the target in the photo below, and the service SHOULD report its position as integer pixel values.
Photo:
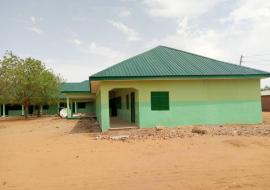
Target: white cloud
(103, 51)
(66, 67)
(78, 19)
(124, 13)
(33, 19)
(132, 35)
(93, 58)
(183, 26)
(251, 11)
(75, 42)
(178, 8)
(35, 29)
(101, 56)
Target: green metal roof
(168, 62)
(75, 87)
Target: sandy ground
(51, 153)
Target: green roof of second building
(168, 62)
(75, 87)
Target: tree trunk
(26, 111)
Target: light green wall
(89, 108)
(102, 110)
(14, 112)
(53, 109)
(212, 101)
(98, 107)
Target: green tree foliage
(29, 82)
(7, 64)
(48, 89)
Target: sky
(79, 38)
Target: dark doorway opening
(132, 107)
(113, 107)
(115, 103)
(31, 110)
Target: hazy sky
(77, 38)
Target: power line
(258, 55)
(267, 60)
(241, 59)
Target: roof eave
(93, 78)
(79, 92)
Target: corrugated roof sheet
(75, 87)
(168, 62)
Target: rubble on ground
(198, 130)
(161, 132)
(119, 137)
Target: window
(46, 107)
(14, 107)
(81, 105)
(160, 101)
(62, 105)
(127, 101)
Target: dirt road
(51, 153)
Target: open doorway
(132, 107)
(122, 108)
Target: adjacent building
(74, 96)
(265, 96)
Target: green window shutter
(160, 101)
(127, 101)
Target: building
(78, 98)
(76, 95)
(169, 87)
(265, 95)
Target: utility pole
(241, 59)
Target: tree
(31, 83)
(7, 64)
(47, 93)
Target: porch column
(104, 109)
(68, 109)
(41, 110)
(71, 108)
(22, 109)
(76, 107)
(4, 110)
(58, 107)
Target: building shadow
(86, 125)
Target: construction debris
(159, 128)
(115, 137)
(199, 131)
(161, 132)
(119, 137)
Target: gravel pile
(160, 132)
